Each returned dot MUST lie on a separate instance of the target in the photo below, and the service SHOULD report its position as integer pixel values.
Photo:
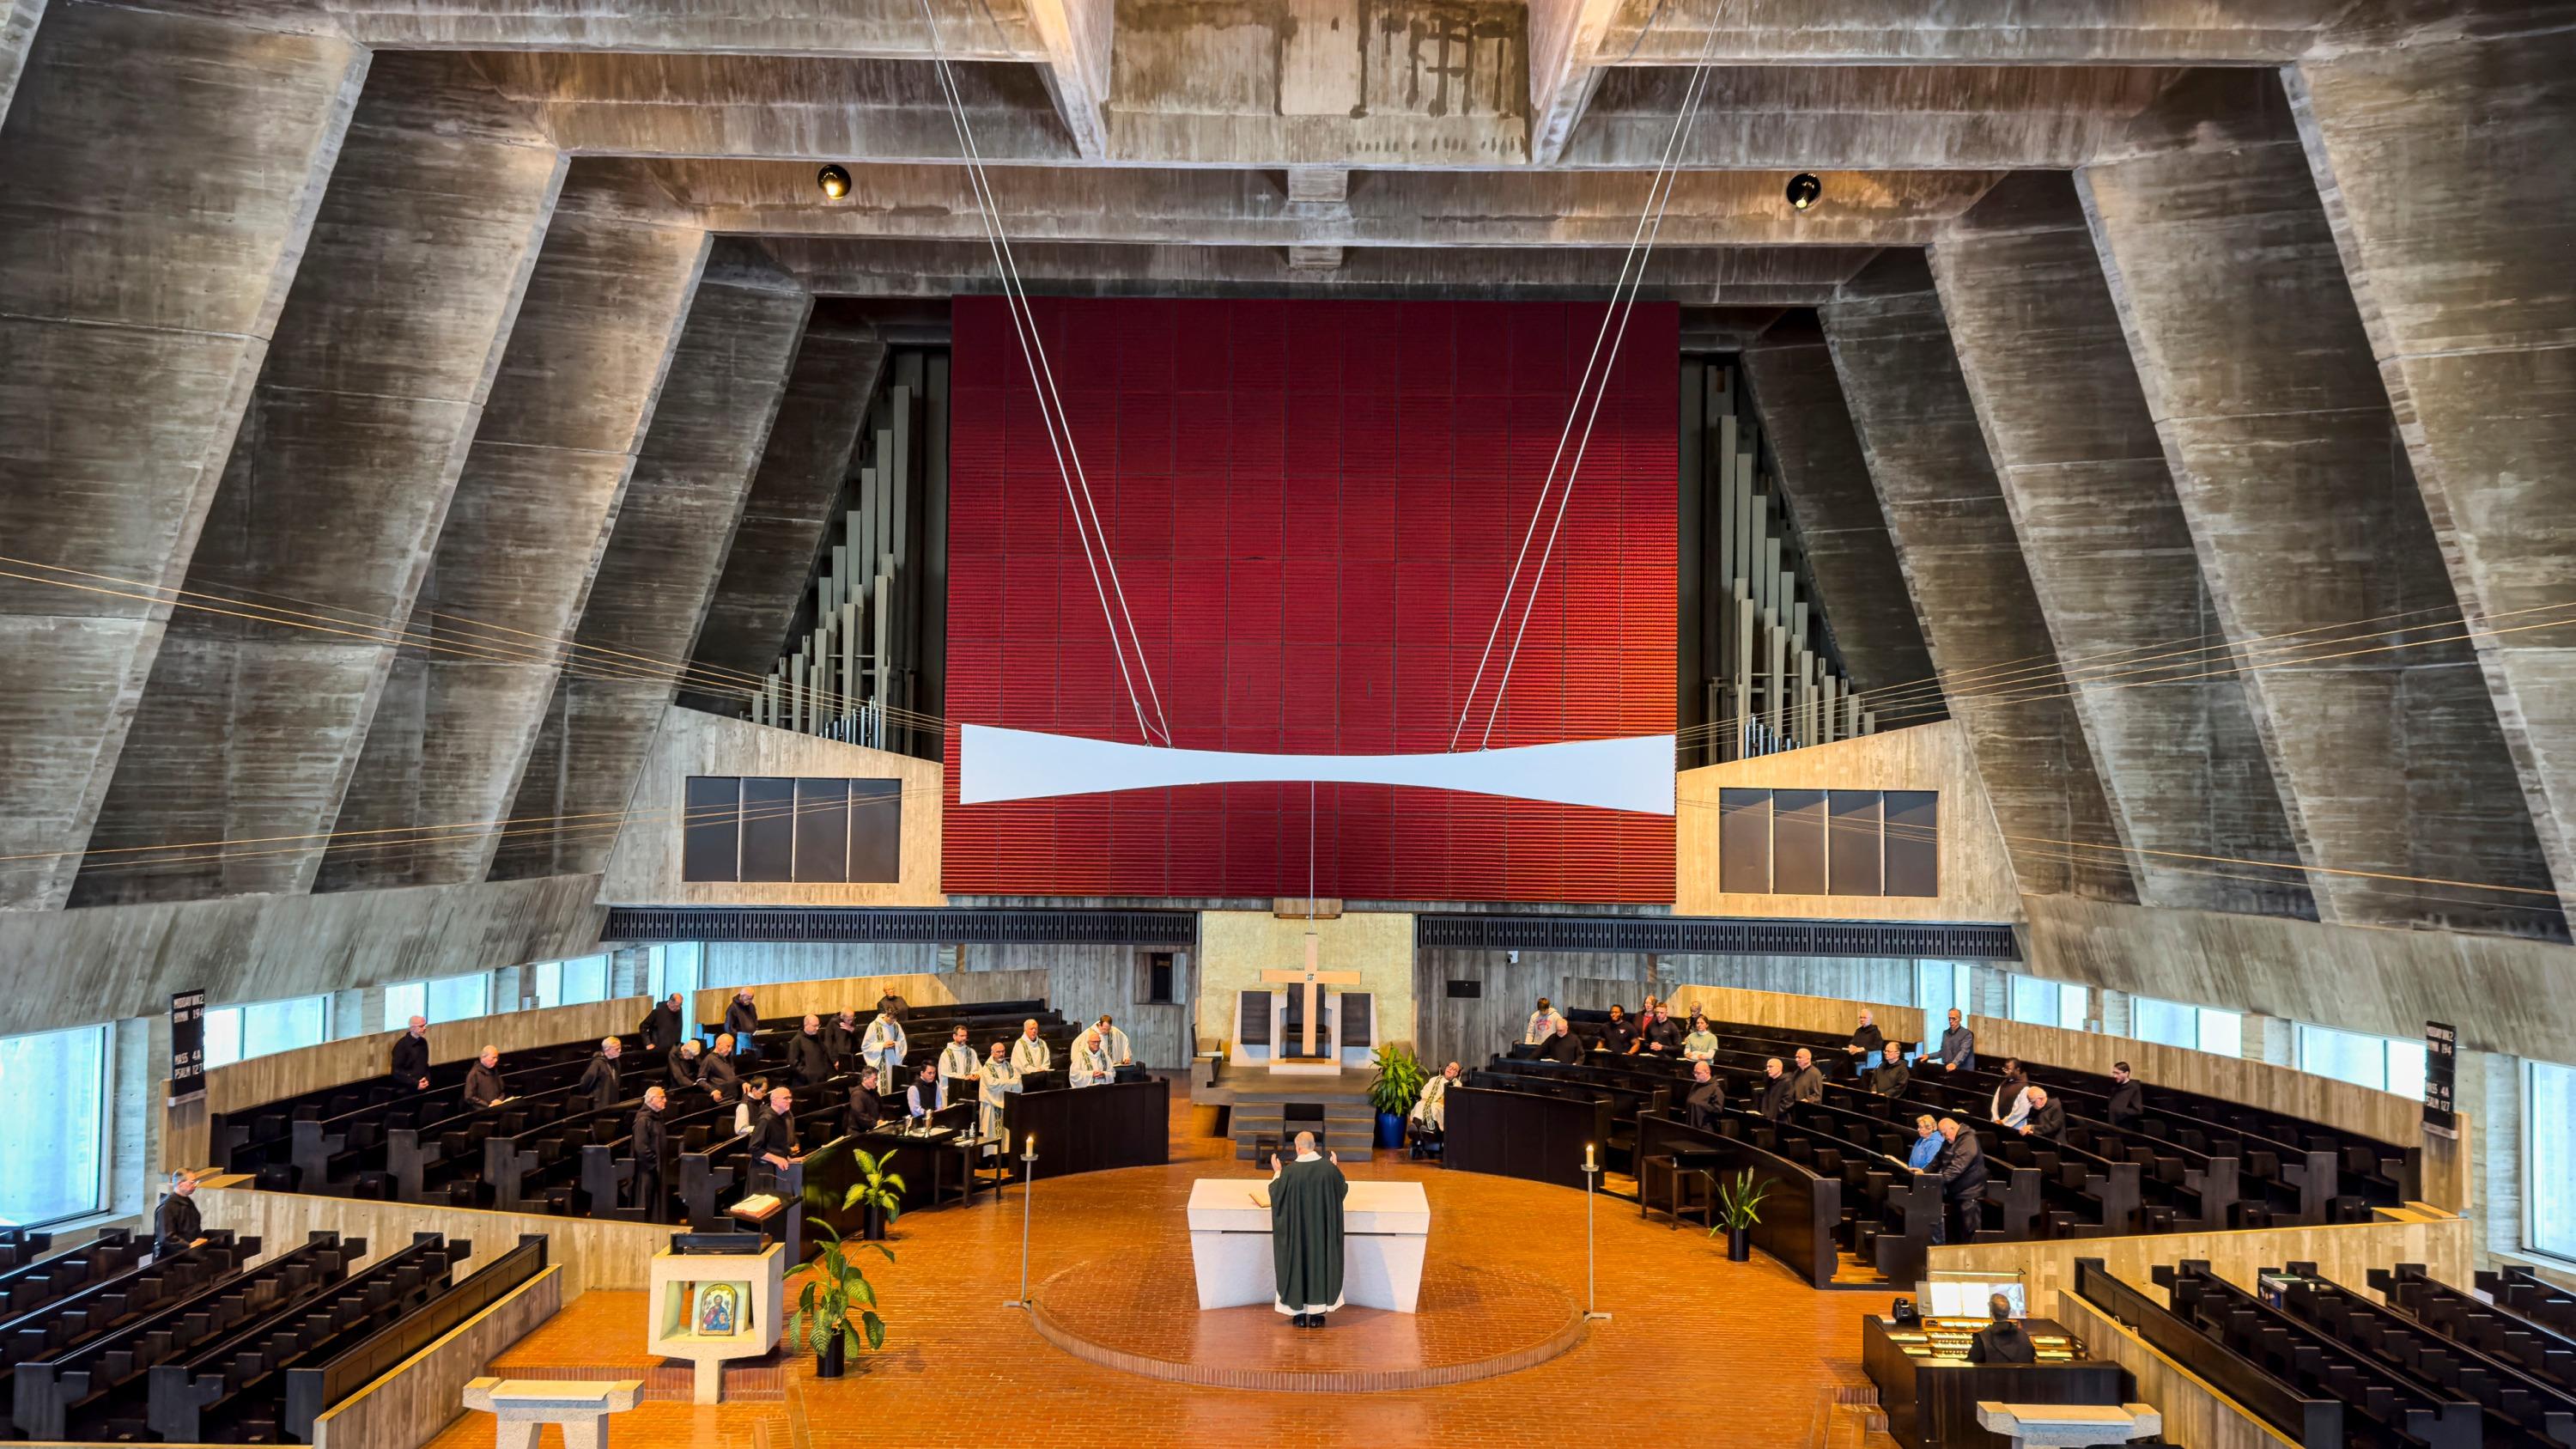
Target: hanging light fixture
(835, 181)
(1804, 189)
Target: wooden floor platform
(1779, 1360)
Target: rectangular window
(238, 1033)
(2047, 1003)
(54, 1134)
(403, 1001)
(823, 830)
(2386, 1064)
(673, 967)
(1162, 977)
(454, 998)
(2222, 1033)
(768, 830)
(573, 982)
(876, 832)
(2549, 1157)
(1798, 842)
(1744, 842)
(1855, 844)
(1940, 986)
(1913, 843)
(711, 829)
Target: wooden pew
(1522, 1134)
(1804, 1209)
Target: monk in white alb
(1031, 1053)
(1120, 1054)
(1430, 1110)
(883, 1047)
(1089, 1063)
(994, 1081)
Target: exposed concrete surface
(334, 494)
(968, 29)
(1826, 480)
(531, 513)
(132, 331)
(18, 21)
(2312, 535)
(2110, 557)
(789, 505)
(2445, 171)
(1963, 565)
(674, 528)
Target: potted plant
(834, 1287)
(1400, 1075)
(878, 1194)
(1739, 1207)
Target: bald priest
(1306, 1232)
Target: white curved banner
(1629, 774)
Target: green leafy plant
(834, 1287)
(876, 1187)
(1400, 1075)
(1739, 1200)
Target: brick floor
(1723, 1354)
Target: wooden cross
(1311, 978)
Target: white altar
(1386, 1226)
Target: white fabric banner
(1627, 774)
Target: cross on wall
(1310, 978)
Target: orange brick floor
(1719, 1353)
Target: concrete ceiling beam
(1565, 68)
(879, 29)
(2008, 32)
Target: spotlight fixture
(1804, 188)
(835, 181)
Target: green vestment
(1306, 1235)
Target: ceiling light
(1804, 188)
(835, 181)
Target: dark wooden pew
(359, 1356)
(1799, 1219)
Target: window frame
(2531, 1243)
(102, 1123)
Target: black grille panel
(1717, 936)
(929, 926)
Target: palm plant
(834, 1288)
(1400, 1075)
(1739, 1201)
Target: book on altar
(1260, 1196)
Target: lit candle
(1587, 1157)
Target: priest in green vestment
(1306, 1233)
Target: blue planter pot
(1390, 1130)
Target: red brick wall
(1314, 507)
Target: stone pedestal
(519, 1407)
(2033, 1426)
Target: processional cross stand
(1309, 979)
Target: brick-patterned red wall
(1314, 507)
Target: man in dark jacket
(867, 1105)
(742, 1018)
(807, 1057)
(483, 1079)
(176, 1227)
(720, 1073)
(2047, 1116)
(1619, 1035)
(1862, 1049)
(841, 1038)
(601, 1084)
(652, 1151)
(1962, 1170)
(2128, 1098)
(1888, 1078)
(664, 1025)
(1707, 1099)
(685, 1066)
(773, 1138)
(2001, 1341)
(1807, 1080)
(1565, 1046)
(411, 1056)
(1662, 1036)
(1776, 1088)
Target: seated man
(1429, 1119)
(927, 1094)
(1089, 1063)
(2046, 1118)
(1542, 1024)
(866, 1108)
(1619, 1036)
(176, 1227)
(2001, 1341)
(808, 1058)
(1707, 1099)
(1564, 1046)
(1701, 1044)
(2128, 1097)
(483, 1080)
(1888, 1078)
(1928, 1143)
(1775, 1090)
(1862, 1049)
(1807, 1083)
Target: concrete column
(524, 532)
(2270, 1039)
(18, 21)
(2111, 561)
(2444, 168)
(672, 533)
(1963, 566)
(2290, 474)
(790, 504)
(1826, 482)
(335, 492)
(2111, 1009)
(158, 175)
(2488, 1087)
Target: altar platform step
(1348, 1125)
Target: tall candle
(1587, 1157)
